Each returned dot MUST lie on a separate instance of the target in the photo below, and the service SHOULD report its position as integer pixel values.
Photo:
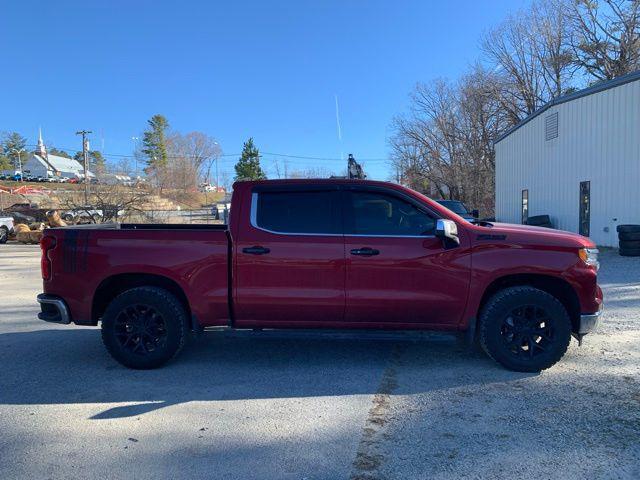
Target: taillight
(46, 244)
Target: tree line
(177, 160)
(443, 144)
(169, 158)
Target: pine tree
(248, 167)
(11, 143)
(57, 153)
(97, 160)
(5, 163)
(154, 141)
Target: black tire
(629, 236)
(529, 341)
(4, 234)
(538, 220)
(629, 244)
(144, 327)
(628, 228)
(629, 252)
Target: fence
(198, 216)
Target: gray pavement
(294, 405)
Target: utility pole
(135, 153)
(85, 155)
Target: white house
(576, 159)
(40, 163)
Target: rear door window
(292, 212)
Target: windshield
(455, 206)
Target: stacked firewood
(33, 233)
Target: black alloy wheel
(524, 328)
(527, 331)
(144, 327)
(140, 329)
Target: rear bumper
(53, 309)
(589, 321)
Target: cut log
(53, 217)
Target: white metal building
(41, 163)
(576, 159)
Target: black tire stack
(629, 240)
(540, 221)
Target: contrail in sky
(338, 124)
(338, 119)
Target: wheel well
(113, 286)
(555, 286)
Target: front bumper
(589, 321)
(53, 309)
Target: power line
(236, 155)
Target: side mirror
(475, 213)
(447, 230)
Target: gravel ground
(295, 405)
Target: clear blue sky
(267, 69)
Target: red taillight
(46, 244)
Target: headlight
(589, 256)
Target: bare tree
(606, 36)
(106, 203)
(443, 147)
(191, 157)
(531, 53)
(550, 37)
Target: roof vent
(551, 126)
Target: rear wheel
(524, 329)
(144, 327)
(4, 234)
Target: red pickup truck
(330, 254)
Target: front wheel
(4, 234)
(144, 327)
(524, 329)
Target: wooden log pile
(31, 234)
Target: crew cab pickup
(324, 254)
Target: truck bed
(87, 259)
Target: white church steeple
(41, 150)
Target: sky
(270, 70)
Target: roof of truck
(313, 181)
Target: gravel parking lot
(294, 405)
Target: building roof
(616, 82)
(61, 164)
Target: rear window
(298, 212)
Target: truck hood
(529, 234)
